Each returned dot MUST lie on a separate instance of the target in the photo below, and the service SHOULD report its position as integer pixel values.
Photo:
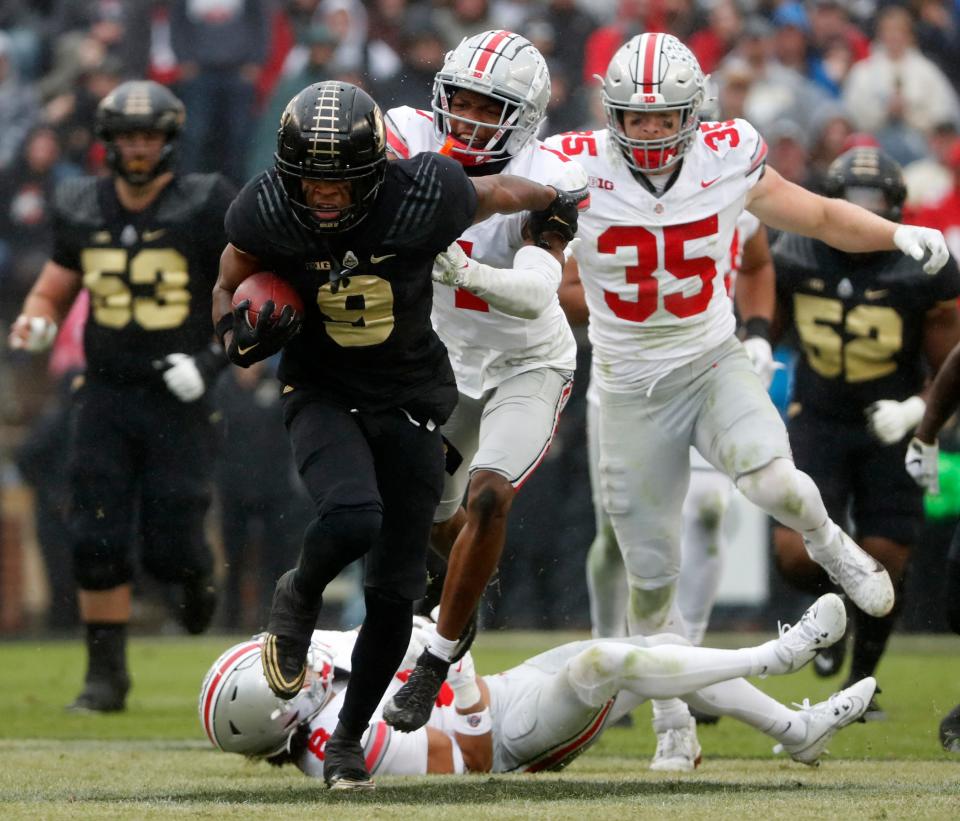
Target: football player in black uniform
(922, 464)
(871, 328)
(145, 243)
(366, 379)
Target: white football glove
(922, 463)
(889, 420)
(183, 377)
(32, 333)
(761, 356)
(452, 267)
(915, 241)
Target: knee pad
(593, 674)
(652, 610)
(101, 565)
(787, 494)
(652, 568)
(175, 548)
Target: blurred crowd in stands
(811, 76)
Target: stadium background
(804, 73)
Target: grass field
(154, 761)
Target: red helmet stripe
(214, 683)
(650, 50)
(488, 49)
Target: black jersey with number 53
(150, 273)
(367, 340)
(859, 319)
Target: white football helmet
(506, 67)
(653, 72)
(239, 711)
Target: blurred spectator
(463, 18)
(681, 18)
(712, 43)
(790, 43)
(777, 91)
(220, 45)
(938, 36)
(632, 17)
(262, 505)
(26, 234)
(733, 78)
(831, 128)
(835, 44)
(571, 27)
(945, 213)
(19, 107)
(25, 24)
(347, 19)
(789, 151)
(422, 55)
(930, 178)
(73, 113)
(897, 90)
(567, 108)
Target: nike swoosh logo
(708, 183)
(870, 293)
(375, 260)
(243, 351)
(150, 236)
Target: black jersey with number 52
(150, 273)
(367, 340)
(859, 319)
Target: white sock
(443, 648)
(670, 714)
(821, 537)
(739, 699)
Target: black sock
(376, 656)
(870, 637)
(106, 650)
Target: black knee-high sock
(870, 637)
(106, 650)
(330, 544)
(376, 656)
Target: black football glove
(249, 343)
(560, 217)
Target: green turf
(154, 762)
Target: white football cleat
(823, 720)
(822, 624)
(860, 575)
(678, 751)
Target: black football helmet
(332, 131)
(867, 176)
(140, 105)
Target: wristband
(224, 324)
(757, 326)
(473, 723)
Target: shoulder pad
(76, 199)
(195, 192)
(737, 143)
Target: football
(259, 288)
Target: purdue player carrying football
(870, 328)
(145, 243)
(366, 379)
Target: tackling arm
(572, 298)
(781, 204)
(942, 399)
(756, 298)
(509, 194)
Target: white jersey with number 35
(654, 266)
(486, 346)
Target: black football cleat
(828, 661)
(344, 767)
(410, 707)
(287, 639)
(950, 731)
(102, 695)
(197, 605)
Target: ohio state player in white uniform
(537, 716)
(514, 361)
(666, 192)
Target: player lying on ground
(536, 716)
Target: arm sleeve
(945, 283)
(524, 291)
(242, 224)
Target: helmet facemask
(653, 73)
(364, 184)
(501, 66)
